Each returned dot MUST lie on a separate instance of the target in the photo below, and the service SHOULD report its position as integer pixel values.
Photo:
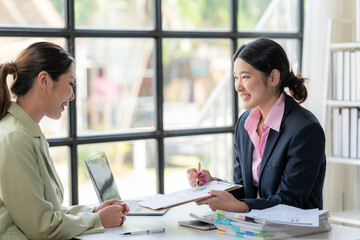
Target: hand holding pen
(197, 175)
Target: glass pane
(214, 152)
(197, 83)
(196, 15)
(115, 85)
(61, 159)
(292, 49)
(130, 162)
(268, 15)
(32, 13)
(114, 14)
(10, 47)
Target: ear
(43, 80)
(274, 78)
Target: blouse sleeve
(23, 192)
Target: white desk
(173, 231)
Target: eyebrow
(242, 72)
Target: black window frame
(159, 134)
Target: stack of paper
(278, 222)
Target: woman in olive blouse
(31, 193)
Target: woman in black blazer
(279, 145)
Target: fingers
(123, 206)
(191, 171)
(190, 174)
(203, 175)
(114, 202)
(215, 192)
(111, 216)
(123, 220)
(111, 201)
(204, 201)
(212, 207)
(201, 202)
(108, 203)
(126, 208)
(208, 201)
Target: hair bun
(11, 67)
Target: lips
(245, 97)
(63, 106)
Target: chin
(54, 116)
(246, 106)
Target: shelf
(341, 103)
(347, 217)
(352, 161)
(345, 46)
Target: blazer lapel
(248, 178)
(274, 135)
(269, 148)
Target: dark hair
(265, 55)
(40, 56)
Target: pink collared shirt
(272, 121)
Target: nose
(72, 96)
(238, 85)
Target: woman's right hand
(112, 212)
(112, 216)
(204, 176)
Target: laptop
(105, 186)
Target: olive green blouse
(31, 193)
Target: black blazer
(292, 169)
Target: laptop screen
(102, 178)
(105, 186)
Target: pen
(149, 231)
(198, 178)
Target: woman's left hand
(225, 201)
(113, 201)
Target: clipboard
(162, 202)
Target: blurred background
(154, 86)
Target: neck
(266, 108)
(31, 106)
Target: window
(154, 82)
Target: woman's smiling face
(252, 85)
(61, 94)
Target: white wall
(340, 178)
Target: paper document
(187, 195)
(279, 222)
(288, 215)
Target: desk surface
(173, 231)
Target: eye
(72, 84)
